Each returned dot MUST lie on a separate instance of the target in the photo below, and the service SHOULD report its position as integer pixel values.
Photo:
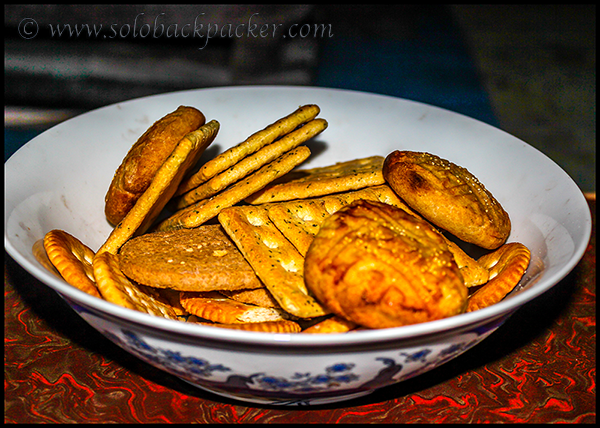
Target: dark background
(529, 70)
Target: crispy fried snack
(144, 159)
(330, 325)
(281, 326)
(72, 259)
(377, 266)
(274, 259)
(449, 196)
(506, 265)
(472, 272)
(163, 186)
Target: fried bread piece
(199, 259)
(145, 157)
(378, 266)
(163, 186)
(449, 196)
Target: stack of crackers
(231, 252)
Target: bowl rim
(409, 332)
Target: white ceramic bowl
(58, 181)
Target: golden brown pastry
(448, 196)
(145, 157)
(377, 266)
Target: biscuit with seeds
(199, 259)
(448, 196)
(202, 211)
(116, 288)
(506, 265)
(253, 162)
(253, 143)
(163, 186)
(215, 307)
(72, 259)
(300, 220)
(341, 177)
(145, 157)
(274, 259)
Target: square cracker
(204, 210)
(300, 220)
(253, 143)
(252, 163)
(274, 259)
(307, 183)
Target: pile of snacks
(250, 242)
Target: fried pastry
(448, 196)
(379, 267)
(144, 159)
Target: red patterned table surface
(539, 367)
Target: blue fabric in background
(432, 66)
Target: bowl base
(304, 401)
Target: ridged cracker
(274, 259)
(341, 177)
(202, 211)
(116, 288)
(72, 259)
(506, 265)
(215, 307)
